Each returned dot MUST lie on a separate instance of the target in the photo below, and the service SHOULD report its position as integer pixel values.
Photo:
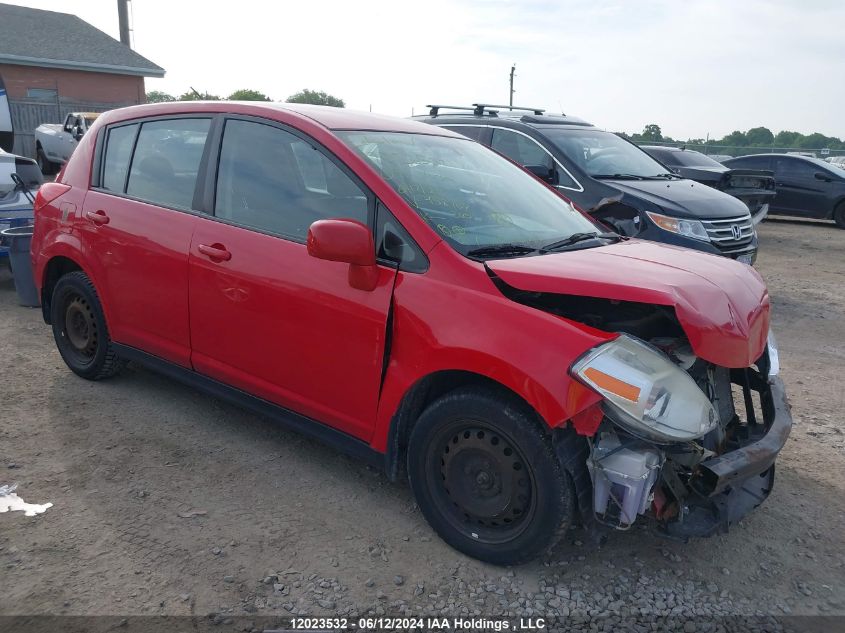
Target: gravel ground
(168, 502)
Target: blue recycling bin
(18, 240)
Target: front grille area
(729, 233)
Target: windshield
(469, 194)
(605, 155)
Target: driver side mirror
(77, 132)
(820, 175)
(546, 174)
(347, 241)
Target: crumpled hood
(683, 198)
(722, 305)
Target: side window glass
(69, 123)
(525, 151)
(166, 161)
(469, 131)
(116, 161)
(272, 180)
(395, 244)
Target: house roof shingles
(34, 37)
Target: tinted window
(118, 151)
(470, 131)
(526, 151)
(166, 161)
(688, 158)
(272, 180)
(751, 162)
(795, 168)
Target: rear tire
(79, 328)
(839, 215)
(486, 477)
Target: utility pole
(513, 70)
(123, 21)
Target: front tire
(79, 328)
(486, 477)
(46, 166)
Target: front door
(265, 316)
(798, 190)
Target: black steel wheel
(839, 215)
(486, 478)
(79, 328)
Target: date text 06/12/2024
(426, 624)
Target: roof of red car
(329, 117)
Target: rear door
(798, 191)
(265, 316)
(138, 220)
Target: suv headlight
(645, 392)
(687, 228)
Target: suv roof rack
(479, 108)
(434, 109)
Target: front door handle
(215, 252)
(97, 217)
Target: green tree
(193, 95)
(785, 138)
(759, 137)
(652, 132)
(735, 138)
(316, 98)
(245, 94)
(157, 96)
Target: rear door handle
(215, 252)
(97, 217)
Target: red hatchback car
(408, 295)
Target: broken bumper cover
(729, 486)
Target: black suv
(609, 177)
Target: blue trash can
(18, 240)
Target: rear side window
(118, 152)
(271, 180)
(166, 161)
(470, 131)
(754, 162)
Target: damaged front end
(692, 486)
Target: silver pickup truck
(55, 142)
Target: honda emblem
(736, 229)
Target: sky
(696, 67)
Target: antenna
(513, 71)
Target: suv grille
(730, 232)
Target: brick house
(53, 63)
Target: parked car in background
(406, 294)
(609, 177)
(720, 158)
(806, 187)
(755, 188)
(20, 179)
(55, 142)
(839, 161)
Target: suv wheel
(486, 477)
(79, 328)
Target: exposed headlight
(645, 392)
(687, 228)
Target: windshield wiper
(580, 237)
(664, 176)
(501, 250)
(618, 177)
